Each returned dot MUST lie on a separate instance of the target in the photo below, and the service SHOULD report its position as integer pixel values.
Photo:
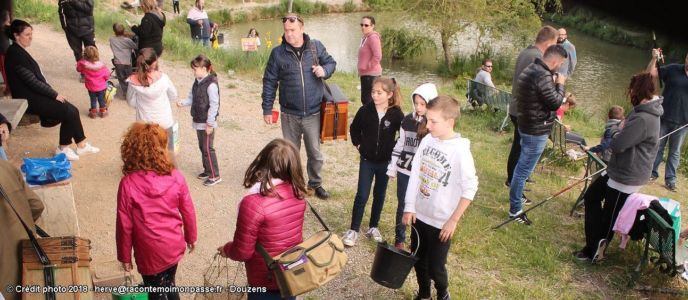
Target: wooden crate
(334, 121)
(71, 262)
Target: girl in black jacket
(152, 24)
(373, 132)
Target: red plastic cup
(275, 116)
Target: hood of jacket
(653, 107)
(611, 123)
(151, 184)
(159, 18)
(153, 90)
(427, 91)
(93, 66)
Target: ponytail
(144, 62)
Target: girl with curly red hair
(155, 214)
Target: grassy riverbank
(515, 262)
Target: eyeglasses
(490, 66)
(366, 25)
(291, 19)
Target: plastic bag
(40, 171)
(110, 93)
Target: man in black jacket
(297, 69)
(540, 93)
(76, 18)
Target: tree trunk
(444, 36)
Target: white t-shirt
(443, 172)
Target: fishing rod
(565, 189)
(659, 57)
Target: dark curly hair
(642, 87)
(145, 148)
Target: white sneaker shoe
(87, 149)
(374, 233)
(350, 238)
(69, 152)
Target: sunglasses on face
(490, 66)
(291, 19)
(366, 25)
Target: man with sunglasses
(484, 75)
(297, 68)
(369, 57)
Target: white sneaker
(374, 233)
(87, 149)
(69, 152)
(350, 238)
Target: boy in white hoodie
(442, 184)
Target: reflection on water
(603, 69)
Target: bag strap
(266, 256)
(316, 62)
(48, 275)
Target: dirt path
(241, 136)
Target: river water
(603, 70)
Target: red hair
(145, 148)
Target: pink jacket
(95, 74)
(275, 222)
(626, 218)
(156, 217)
(370, 55)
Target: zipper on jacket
(303, 84)
(377, 141)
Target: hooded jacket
(155, 217)
(76, 16)
(95, 74)
(538, 99)
(370, 55)
(152, 103)
(276, 222)
(150, 31)
(300, 91)
(408, 141)
(634, 148)
(610, 129)
(375, 137)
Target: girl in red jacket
(96, 75)
(155, 215)
(271, 213)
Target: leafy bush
(463, 66)
(403, 43)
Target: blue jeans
(3, 155)
(400, 229)
(531, 149)
(204, 41)
(675, 141)
(97, 97)
(366, 171)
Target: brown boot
(103, 112)
(92, 113)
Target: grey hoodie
(635, 146)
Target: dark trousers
(400, 229)
(367, 89)
(205, 143)
(515, 152)
(98, 97)
(175, 6)
(66, 113)
(162, 279)
(123, 72)
(575, 138)
(78, 43)
(432, 261)
(366, 172)
(599, 217)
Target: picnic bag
(308, 265)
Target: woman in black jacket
(150, 30)
(26, 81)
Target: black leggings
(599, 218)
(162, 279)
(66, 113)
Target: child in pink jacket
(155, 214)
(96, 75)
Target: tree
(495, 17)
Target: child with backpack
(441, 186)
(413, 129)
(96, 75)
(373, 132)
(204, 99)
